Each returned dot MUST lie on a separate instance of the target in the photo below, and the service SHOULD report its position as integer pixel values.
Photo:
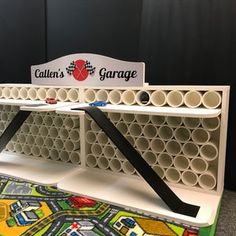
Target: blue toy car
(98, 104)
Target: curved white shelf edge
(148, 110)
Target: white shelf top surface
(39, 171)
(167, 111)
(136, 194)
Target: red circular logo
(80, 72)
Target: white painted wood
(149, 110)
(37, 170)
(136, 194)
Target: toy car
(51, 101)
(98, 104)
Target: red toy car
(51, 101)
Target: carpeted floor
(227, 220)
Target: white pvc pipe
(115, 165)
(90, 95)
(39, 141)
(4, 117)
(38, 119)
(211, 99)
(181, 162)
(109, 151)
(209, 151)
(158, 98)
(2, 126)
(35, 150)
(135, 129)
(64, 133)
(128, 118)
(173, 147)
(174, 121)
(53, 132)
(96, 149)
(48, 142)
(48, 121)
(165, 160)
(58, 122)
(150, 131)
(130, 139)
(172, 175)
(52, 93)
(44, 152)
(128, 168)
(165, 132)
(157, 145)
(122, 127)
(43, 131)
(90, 137)
(42, 93)
(142, 144)
(199, 165)
(59, 145)
(189, 178)
(143, 97)
(128, 97)
(71, 146)
(30, 139)
(6, 92)
(200, 136)
(182, 134)
(18, 148)
(191, 123)
(26, 149)
(114, 96)
(62, 94)
(54, 154)
(10, 147)
(193, 99)
(142, 119)
(91, 161)
(207, 180)
(175, 98)
(150, 157)
(71, 122)
(114, 117)
(211, 124)
(190, 149)
(119, 155)
(34, 129)
(75, 158)
(21, 138)
(159, 170)
(64, 156)
(94, 126)
(14, 93)
(103, 163)
(32, 93)
(23, 93)
(102, 138)
(74, 135)
(102, 95)
(73, 95)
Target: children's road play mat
(29, 209)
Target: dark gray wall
(22, 38)
(181, 41)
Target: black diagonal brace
(150, 176)
(12, 128)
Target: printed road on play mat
(28, 209)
